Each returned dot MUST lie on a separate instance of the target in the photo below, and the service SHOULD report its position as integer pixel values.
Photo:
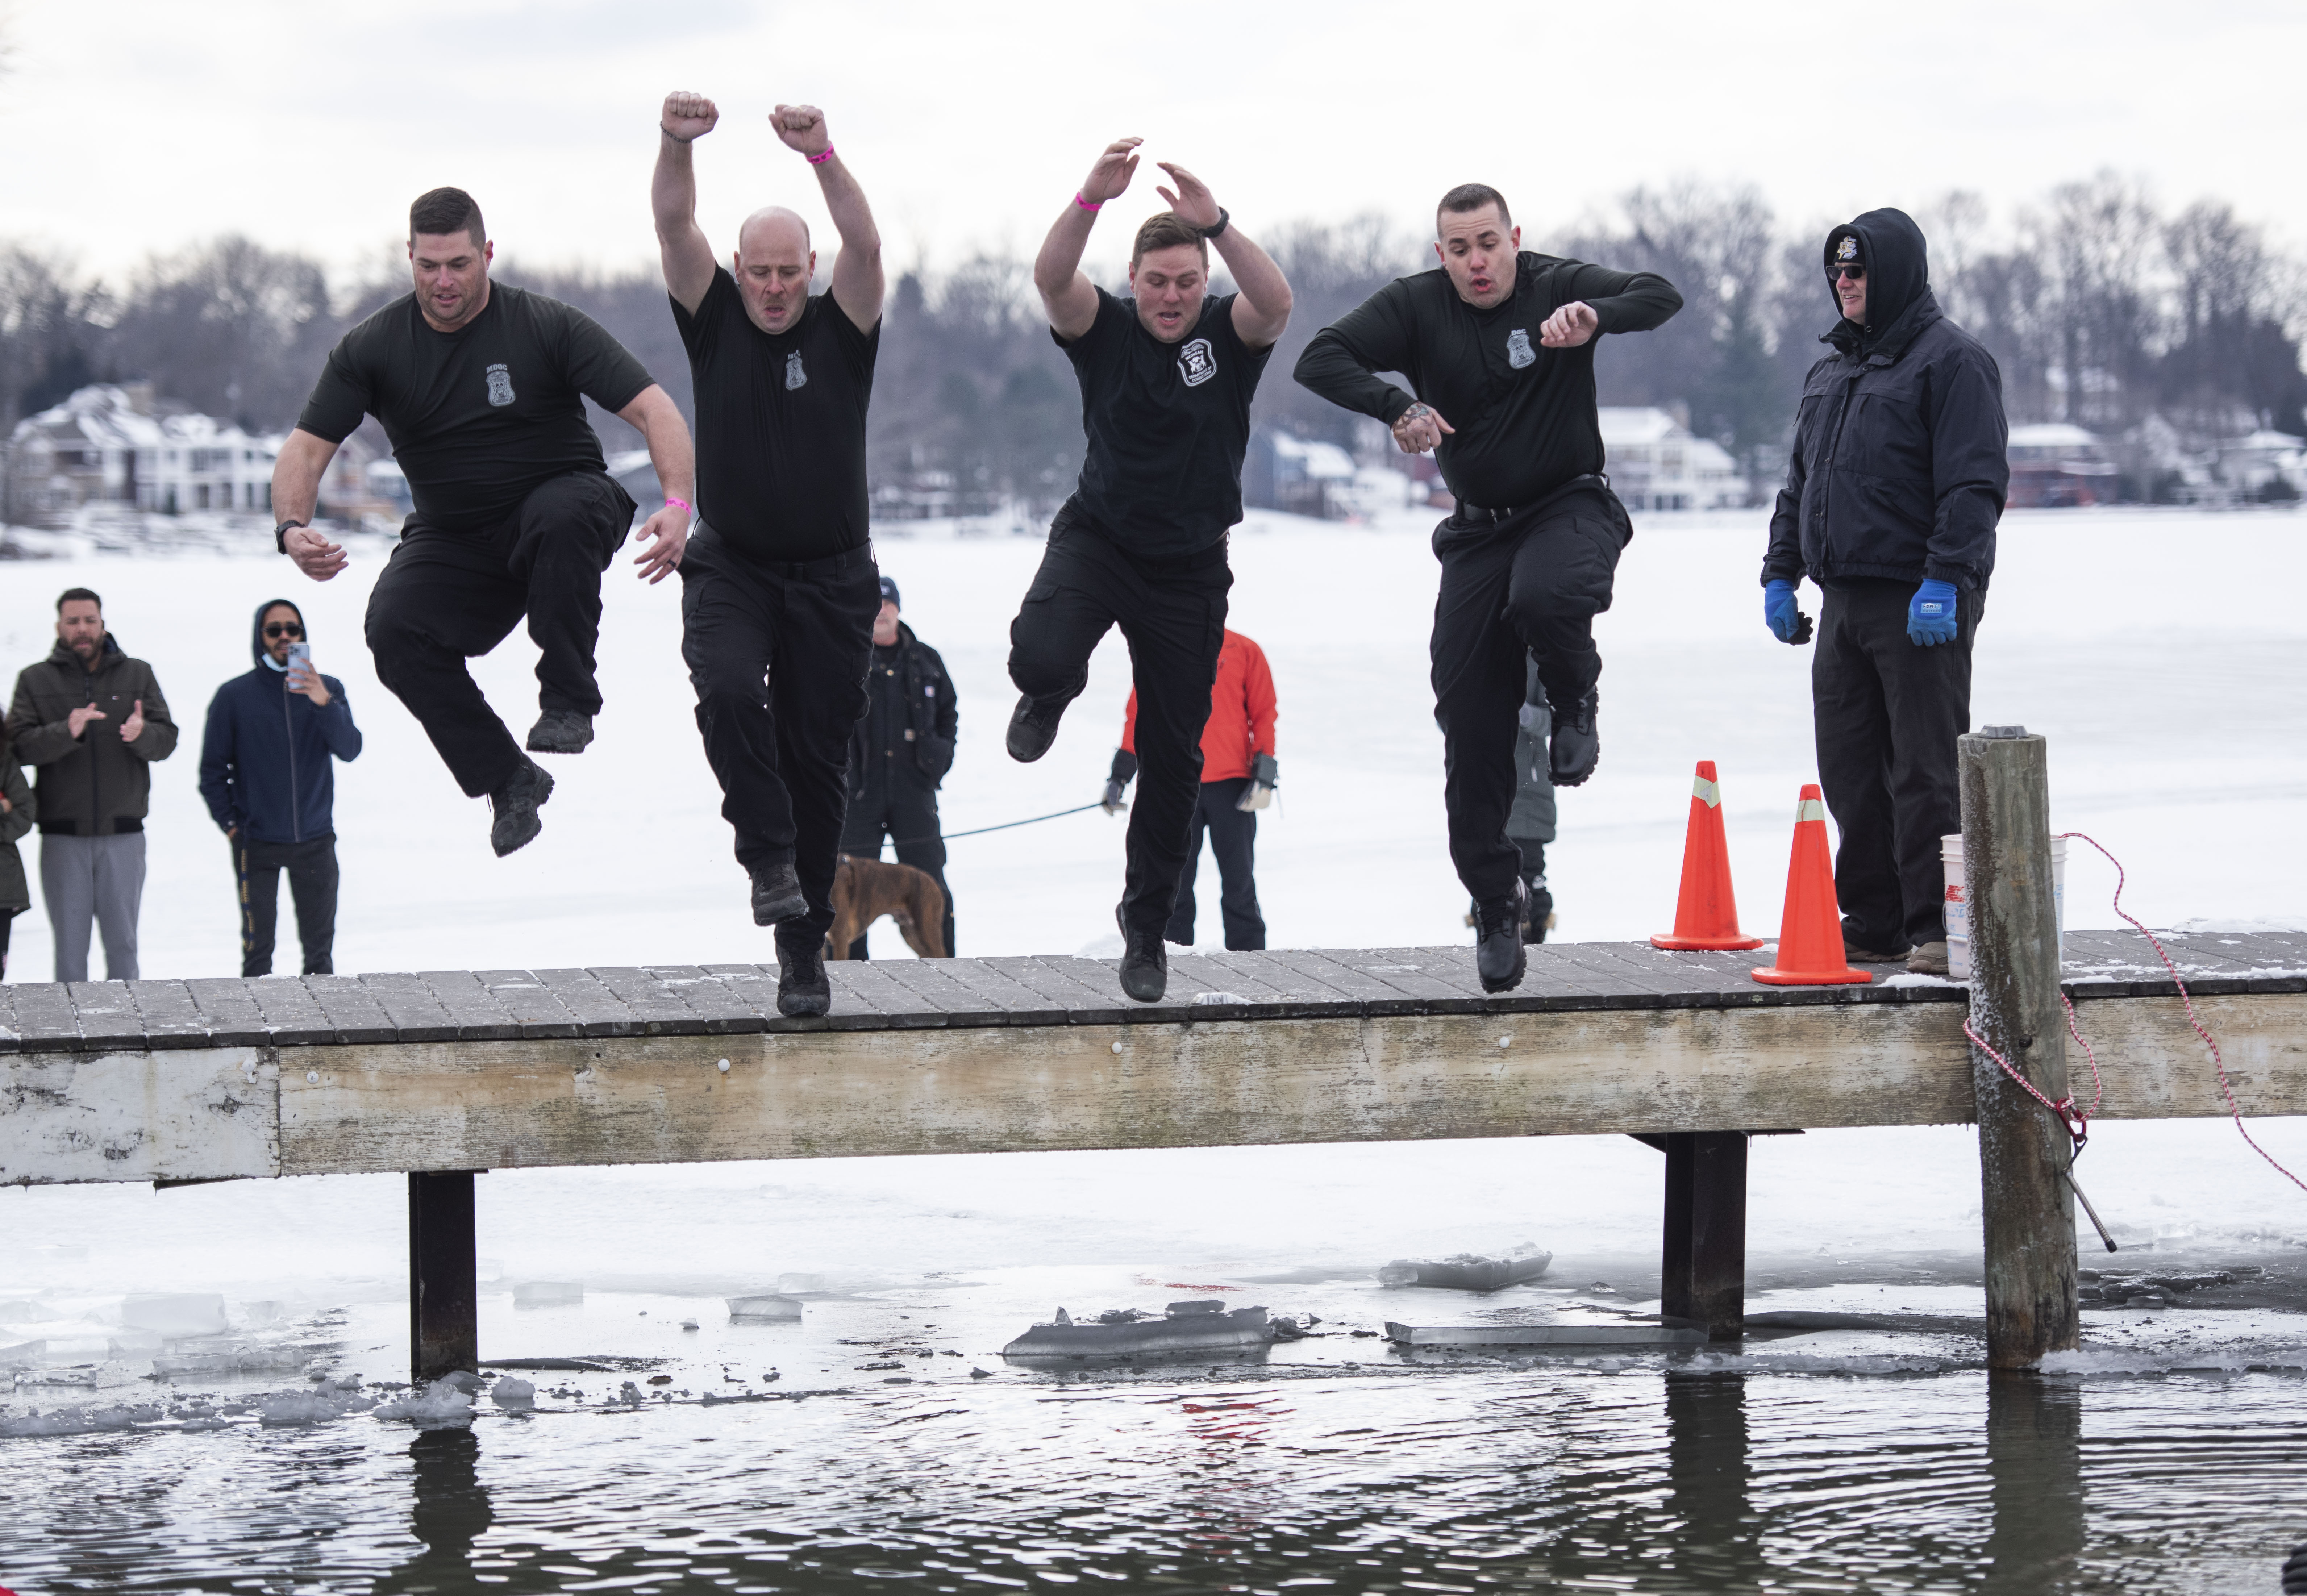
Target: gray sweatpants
(99, 878)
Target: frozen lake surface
(2161, 654)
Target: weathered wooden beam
(1702, 1274)
(228, 1112)
(444, 1325)
(2023, 1148)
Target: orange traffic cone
(1706, 917)
(1810, 930)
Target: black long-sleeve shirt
(1524, 413)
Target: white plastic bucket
(1958, 904)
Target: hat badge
(1847, 250)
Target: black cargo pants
(449, 597)
(1173, 615)
(312, 867)
(1525, 585)
(1887, 713)
(1232, 831)
(778, 653)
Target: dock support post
(1703, 1273)
(2023, 1148)
(444, 1333)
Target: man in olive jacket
(1891, 506)
(91, 721)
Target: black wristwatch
(1219, 226)
(281, 535)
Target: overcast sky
(138, 125)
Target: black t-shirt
(481, 416)
(780, 425)
(1524, 413)
(1167, 425)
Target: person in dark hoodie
(1893, 496)
(266, 776)
(91, 722)
(900, 753)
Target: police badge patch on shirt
(1196, 363)
(794, 376)
(1519, 354)
(500, 385)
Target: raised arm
(296, 475)
(661, 427)
(858, 282)
(1068, 295)
(1263, 310)
(680, 243)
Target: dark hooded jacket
(264, 759)
(94, 785)
(1898, 469)
(910, 701)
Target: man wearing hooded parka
(1892, 497)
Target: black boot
(1575, 747)
(1032, 730)
(1145, 963)
(776, 893)
(561, 732)
(803, 988)
(1499, 956)
(1539, 911)
(514, 807)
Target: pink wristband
(681, 503)
(1085, 204)
(821, 156)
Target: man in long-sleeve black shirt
(1498, 346)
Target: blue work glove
(1931, 617)
(1787, 624)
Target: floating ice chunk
(76, 1422)
(437, 1406)
(510, 1393)
(689, 1324)
(548, 1294)
(760, 1309)
(461, 1379)
(298, 1407)
(175, 1314)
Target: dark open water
(1645, 1479)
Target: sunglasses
(284, 629)
(1856, 274)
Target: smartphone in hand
(300, 660)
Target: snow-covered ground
(2161, 653)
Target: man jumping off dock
(1499, 345)
(1166, 380)
(779, 591)
(481, 388)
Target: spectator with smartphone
(265, 772)
(92, 722)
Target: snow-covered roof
(1637, 424)
(2051, 434)
(2273, 442)
(1319, 461)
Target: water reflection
(1710, 1474)
(449, 1512)
(2034, 1458)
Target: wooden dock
(442, 1073)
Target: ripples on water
(1546, 1479)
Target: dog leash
(907, 842)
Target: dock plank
(415, 1014)
(229, 1010)
(593, 1006)
(532, 1003)
(167, 1014)
(353, 1012)
(475, 1010)
(655, 1006)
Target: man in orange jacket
(1238, 774)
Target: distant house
(104, 445)
(1656, 463)
(2055, 465)
(2254, 464)
(1307, 477)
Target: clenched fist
(688, 117)
(803, 128)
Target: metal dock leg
(444, 1333)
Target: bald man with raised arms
(779, 588)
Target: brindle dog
(865, 889)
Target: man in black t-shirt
(779, 591)
(1499, 345)
(480, 389)
(1166, 379)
